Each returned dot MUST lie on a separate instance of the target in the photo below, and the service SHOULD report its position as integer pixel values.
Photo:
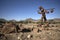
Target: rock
(28, 36)
(35, 30)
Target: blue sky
(22, 9)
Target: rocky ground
(49, 33)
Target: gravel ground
(53, 33)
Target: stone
(35, 30)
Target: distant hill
(57, 19)
(2, 20)
(30, 19)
